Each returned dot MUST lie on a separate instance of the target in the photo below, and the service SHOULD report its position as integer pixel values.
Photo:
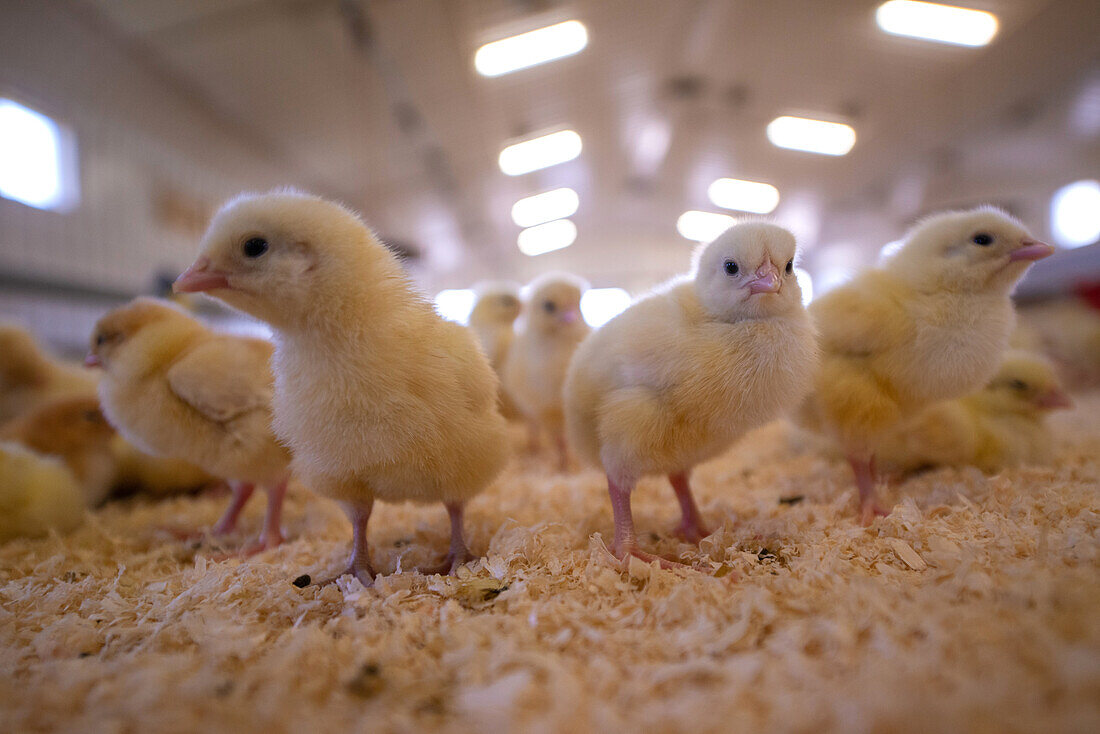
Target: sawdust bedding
(975, 606)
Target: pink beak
(767, 280)
(1031, 250)
(199, 278)
(92, 360)
(1053, 399)
(570, 317)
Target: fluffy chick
(174, 388)
(37, 494)
(156, 476)
(493, 322)
(534, 373)
(930, 323)
(680, 375)
(376, 394)
(75, 431)
(1001, 425)
(29, 377)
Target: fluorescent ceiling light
(935, 22)
(1075, 214)
(703, 226)
(812, 136)
(531, 49)
(30, 157)
(455, 304)
(547, 237)
(806, 283)
(600, 305)
(545, 207)
(745, 196)
(542, 152)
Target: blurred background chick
(493, 321)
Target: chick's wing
(222, 379)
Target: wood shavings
(906, 553)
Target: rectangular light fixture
(703, 226)
(812, 136)
(547, 237)
(541, 152)
(531, 49)
(935, 22)
(545, 207)
(744, 196)
(32, 159)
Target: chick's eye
(731, 267)
(254, 247)
(982, 239)
(99, 340)
(549, 306)
(1018, 385)
(790, 266)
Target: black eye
(549, 306)
(790, 266)
(254, 247)
(731, 267)
(99, 340)
(1018, 385)
(982, 239)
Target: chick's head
(972, 251)
(20, 360)
(748, 272)
(1025, 383)
(554, 304)
(115, 329)
(497, 303)
(274, 255)
(63, 426)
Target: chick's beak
(767, 279)
(1053, 399)
(200, 277)
(92, 360)
(570, 317)
(1030, 250)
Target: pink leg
(458, 553)
(272, 534)
(532, 436)
(691, 527)
(626, 542)
(228, 523)
(359, 565)
(869, 505)
(563, 452)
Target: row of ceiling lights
(545, 216)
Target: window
(37, 159)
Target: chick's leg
(691, 527)
(626, 541)
(272, 533)
(869, 505)
(359, 565)
(228, 522)
(459, 553)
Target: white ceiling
(937, 125)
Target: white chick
(930, 323)
(493, 322)
(680, 375)
(550, 331)
(174, 388)
(30, 378)
(37, 494)
(376, 395)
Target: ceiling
(377, 103)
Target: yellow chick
(37, 494)
(551, 329)
(1002, 425)
(75, 431)
(680, 375)
(156, 476)
(174, 388)
(375, 393)
(493, 323)
(29, 378)
(930, 323)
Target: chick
(493, 323)
(29, 378)
(75, 431)
(37, 494)
(680, 375)
(550, 332)
(376, 395)
(930, 323)
(174, 388)
(1001, 425)
(155, 476)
